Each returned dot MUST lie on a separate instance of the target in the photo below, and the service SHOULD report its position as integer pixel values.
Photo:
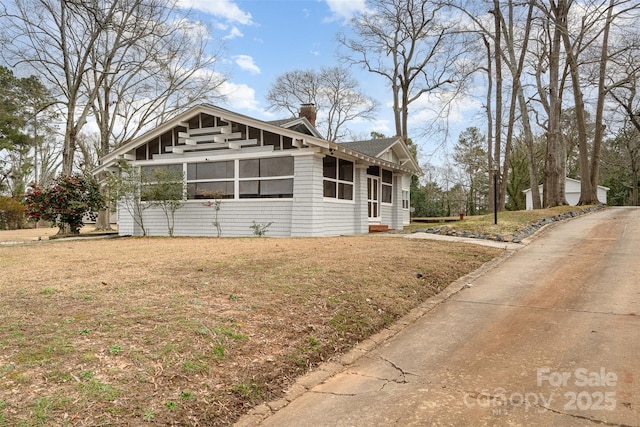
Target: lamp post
(494, 172)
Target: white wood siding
(196, 219)
(392, 214)
(361, 211)
(125, 222)
(406, 186)
(339, 218)
(386, 211)
(307, 215)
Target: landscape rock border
(516, 237)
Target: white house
(572, 193)
(281, 172)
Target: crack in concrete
(493, 398)
(385, 381)
(572, 310)
(582, 417)
(333, 393)
(399, 369)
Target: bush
(65, 201)
(11, 214)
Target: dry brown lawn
(194, 331)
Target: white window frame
(387, 184)
(337, 181)
(406, 195)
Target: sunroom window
(171, 185)
(207, 180)
(266, 178)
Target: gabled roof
(298, 128)
(379, 146)
(299, 124)
(371, 147)
(279, 122)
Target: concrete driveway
(549, 337)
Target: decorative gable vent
(211, 138)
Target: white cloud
(345, 9)
(226, 9)
(246, 63)
(220, 26)
(382, 126)
(234, 33)
(239, 96)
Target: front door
(373, 198)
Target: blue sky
(266, 38)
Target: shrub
(11, 214)
(65, 201)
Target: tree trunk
(489, 122)
(554, 179)
(531, 154)
(396, 109)
(498, 124)
(597, 137)
(581, 122)
(69, 148)
(634, 188)
(405, 112)
(103, 221)
(517, 95)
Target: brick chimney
(308, 111)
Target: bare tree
(587, 51)
(96, 54)
(294, 88)
(55, 39)
(504, 28)
(151, 67)
(623, 85)
(334, 91)
(516, 63)
(346, 101)
(412, 45)
(548, 62)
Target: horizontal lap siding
(196, 219)
(307, 217)
(125, 222)
(339, 219)
(386, 211)
(406, 217)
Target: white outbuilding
(572, 193)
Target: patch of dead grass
(195, 331)
(509, 222)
